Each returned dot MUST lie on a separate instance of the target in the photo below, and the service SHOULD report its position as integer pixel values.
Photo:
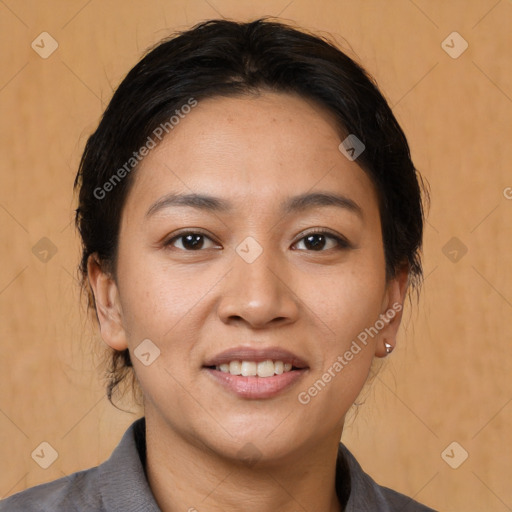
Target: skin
(255, 151)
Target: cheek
(345, 314)
(162, 304)
(156, 297)
(346, 309)
(348, 301)
(330, 391)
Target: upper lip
(257, 355)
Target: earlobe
(108, 307)
(394, 297)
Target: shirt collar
(123, 480)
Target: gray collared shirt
(120, 485)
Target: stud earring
(389, 348)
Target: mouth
(256, 374)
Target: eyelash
(341, 242)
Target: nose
(259, 293)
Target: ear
(108, 306)
(392, 310)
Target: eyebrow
(291, 205)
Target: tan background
(449, 378)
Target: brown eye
(190, 241)
(317, 241)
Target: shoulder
(119, 483)
(76, 492)
(366, 495)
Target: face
(280, 265)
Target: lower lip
(256, 387)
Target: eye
(189, 241)
(317, 241)
(313, 241)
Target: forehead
(252, 149)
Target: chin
(257, 444)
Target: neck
(184, 476)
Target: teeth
(235, 368)
(267, 368)
(249, 368)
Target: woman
(251, 224)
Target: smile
(263, 369)
(252, 373)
